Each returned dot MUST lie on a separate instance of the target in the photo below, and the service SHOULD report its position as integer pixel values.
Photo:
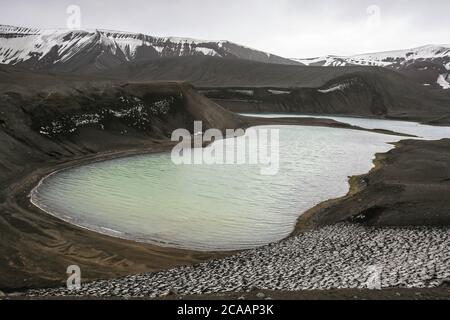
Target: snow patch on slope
(326, 61)
(442, 81)
(278, 92)
(19, 45)
(339, 87)
(384, 59)
(32, 43)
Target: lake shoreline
(74, 204)
(133, 252)
(27, 229)
(406, 187)
(126, 256)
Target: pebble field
(333, 257)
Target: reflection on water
(217, 207)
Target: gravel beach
(342, 256)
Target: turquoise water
(213, 207)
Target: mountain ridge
(383, 58)
(63, 49)
(91, 50)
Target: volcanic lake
(150, 199)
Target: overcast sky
(290, 28)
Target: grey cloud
(292, 28)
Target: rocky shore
(342, 256)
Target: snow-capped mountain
(78, 49)
(427, 61)
(388, 58)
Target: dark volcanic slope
(86, 120)
(362, 93)
(28, 83)
(216, 72)
(245, 86)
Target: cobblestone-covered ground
(339, 256)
